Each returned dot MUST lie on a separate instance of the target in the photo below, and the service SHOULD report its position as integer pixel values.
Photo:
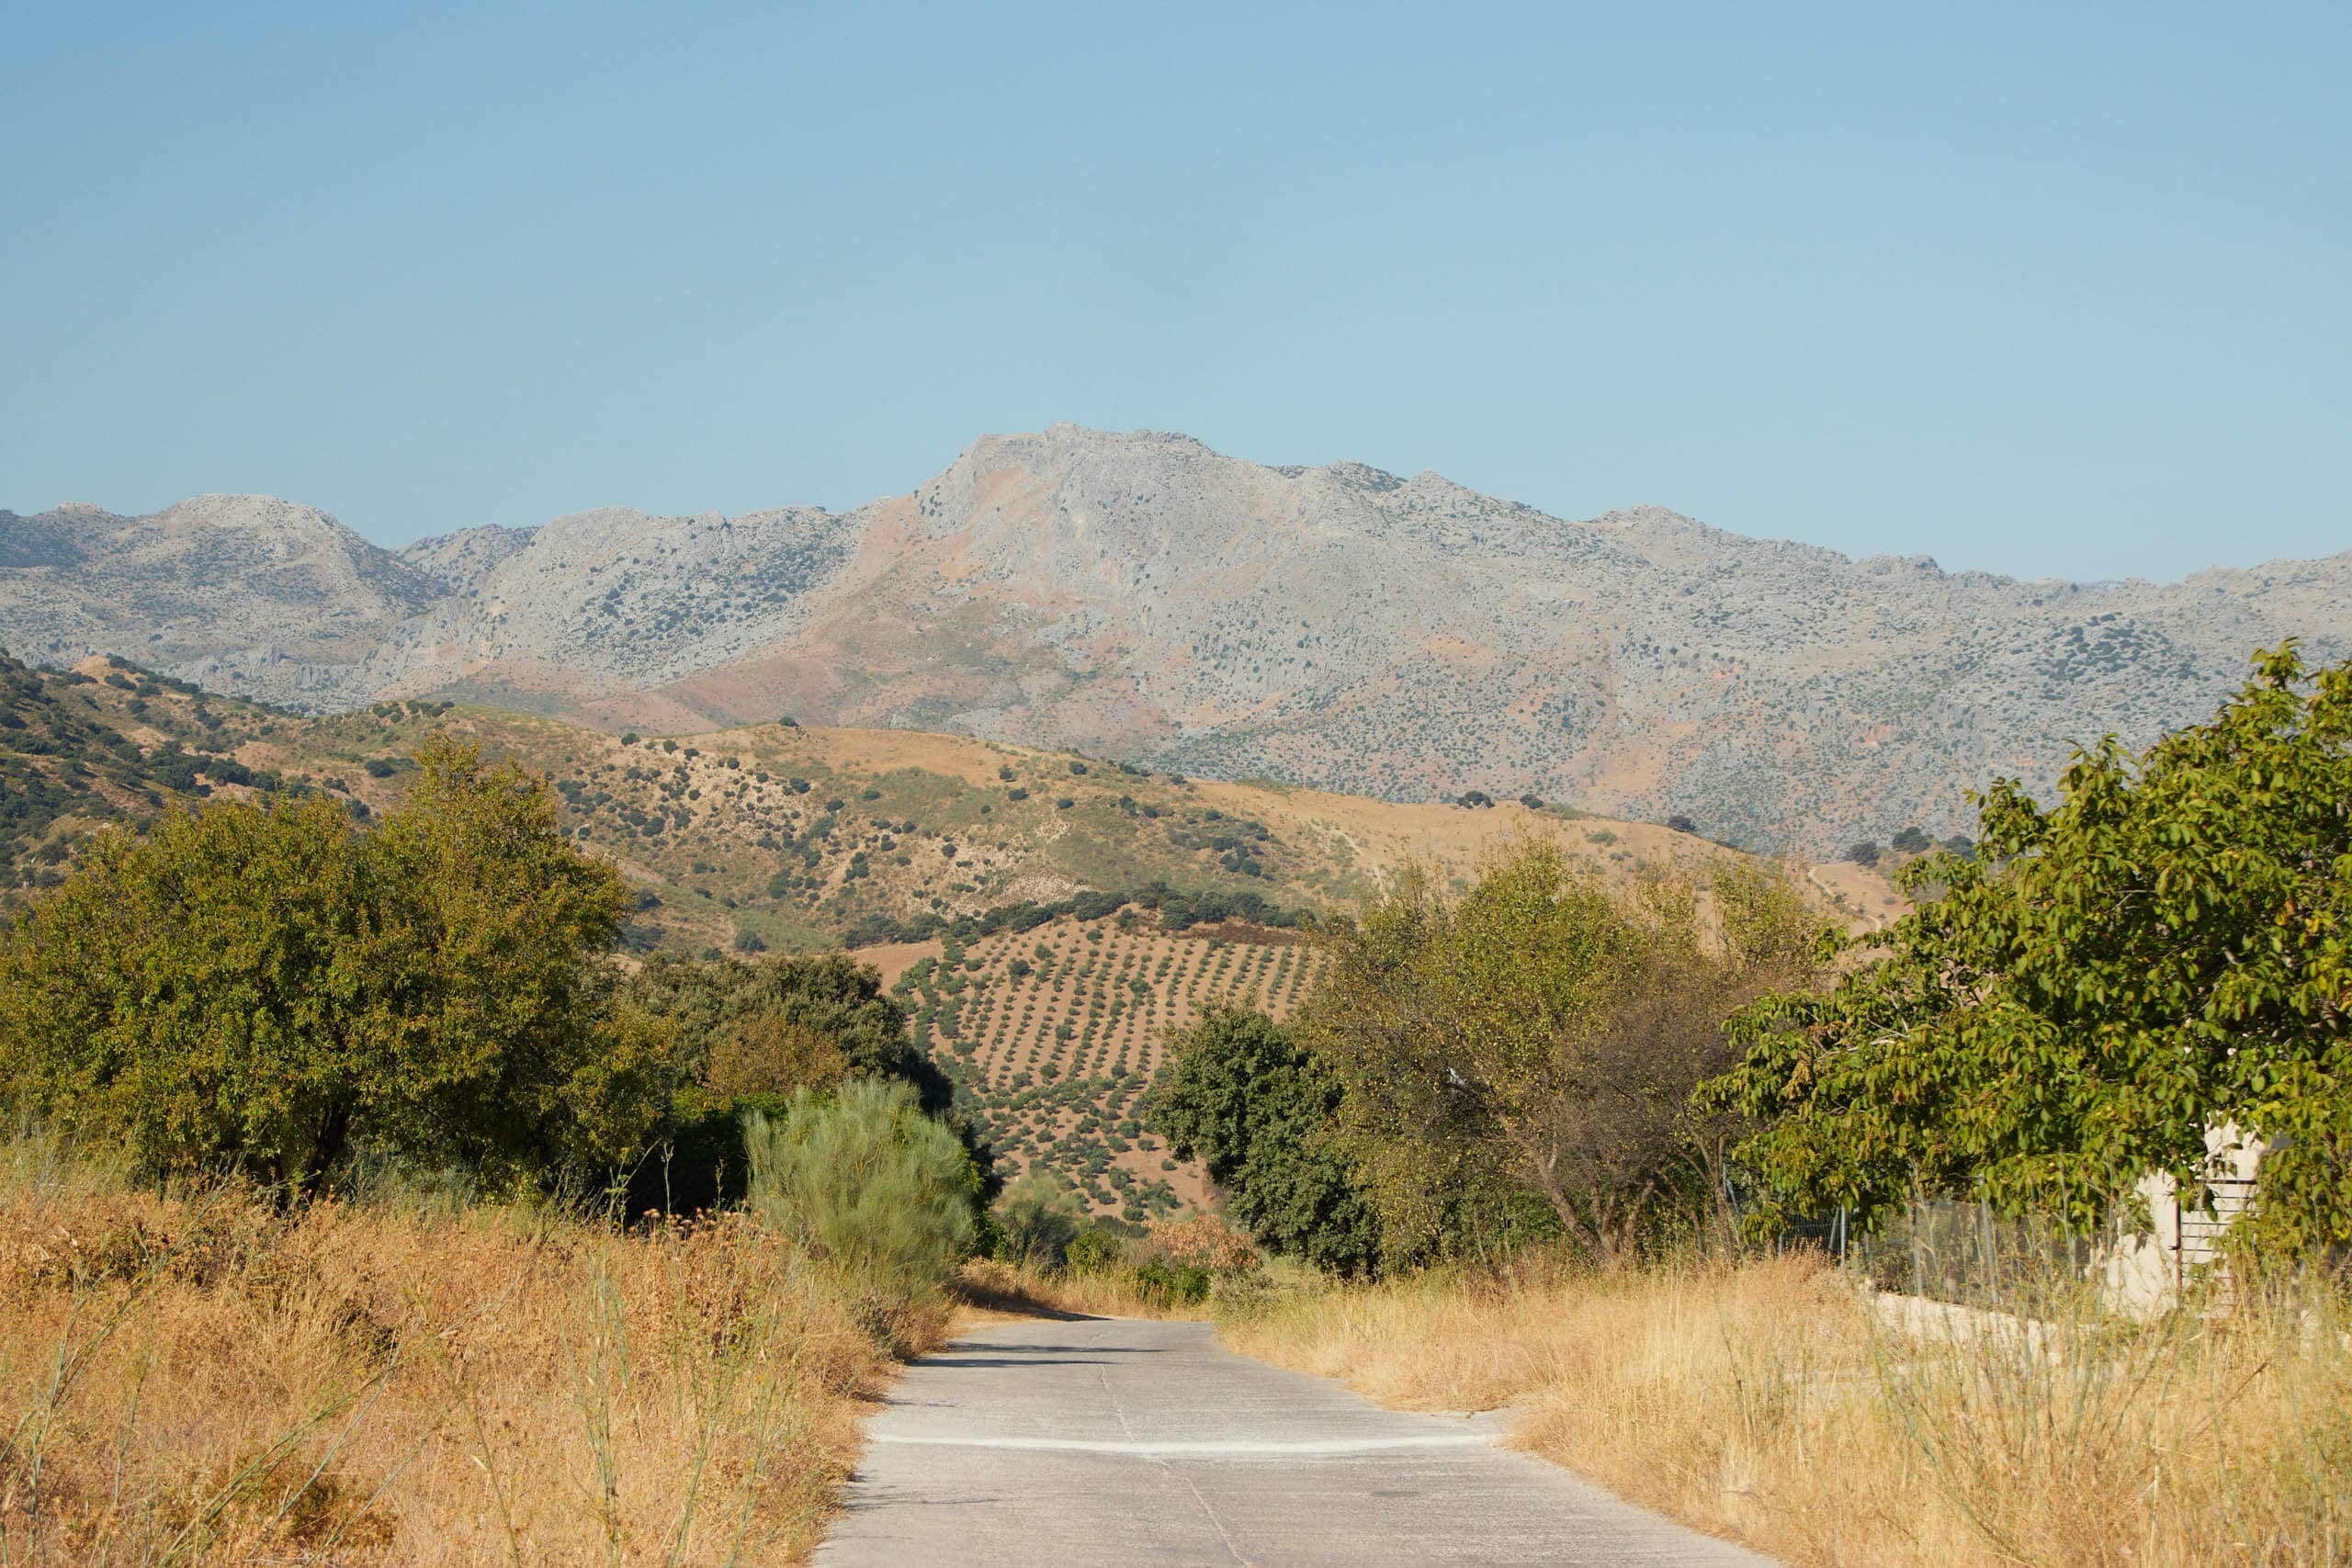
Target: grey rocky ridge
(1140, 596)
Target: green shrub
(862, 1176)
(1039, 1218)
(1165, 1284)
(1093, 1251)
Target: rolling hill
(775, 836)
(1140, 596)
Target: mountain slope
(776, 835)
(232, 592)
(1141, 596)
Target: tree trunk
(333, 1138)
(1545, 1166)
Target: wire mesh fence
(1968, 1252)
(1952, 1250)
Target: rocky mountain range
(1141, 597)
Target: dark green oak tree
(1243, 1094)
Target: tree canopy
(1537, 1037)
(750, 1034)
(271, 986)
(1240, 1092)
(773, 1024)
(2166, 949)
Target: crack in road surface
(1118, 1441)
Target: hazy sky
(2036, 288)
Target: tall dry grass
(994, 1286)
(206, 1377)
(1768, 1403)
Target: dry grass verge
(206, 1377)
(989, 1286)
(1763, 1403)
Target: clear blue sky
(2034, 288)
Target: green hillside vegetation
(766, 837)
(772, 838)
(731, 849)
(78, 750)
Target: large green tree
(269, 985)
(731, 1014)
(2165, 950)
(1242, 1093)
(1538, 1035)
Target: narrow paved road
(1115, 1442)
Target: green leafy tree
(1243, 1094)
(750, 1035)
(271, 986)
(710, 1000)
(2163, 951)
(1537, 1037)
